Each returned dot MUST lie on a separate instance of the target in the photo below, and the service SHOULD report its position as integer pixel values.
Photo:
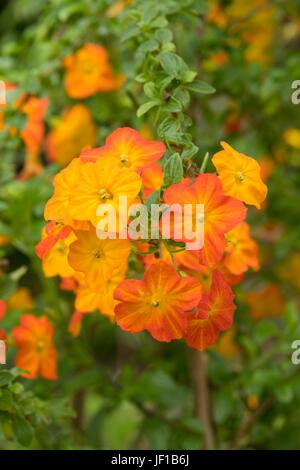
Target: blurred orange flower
(128, 148)
(74, 131)
(33, 134)
(2, 309)
(21, 299)
(240, 176)
(227, 346)
(241, 251)
(213, 315)
(75, 323)
(267, 301)
(117, 7)
(157, 303)
(88, 72)
(37, 353)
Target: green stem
(204, 163)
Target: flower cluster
(183, 293)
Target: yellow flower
(97, 258)
(55, 263)
(292, 138)
(102, 182)
(240, 176)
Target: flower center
(155, 302)
(40, 345)
(240, 176)
(98, 254)
(104, 194)
(124, 158)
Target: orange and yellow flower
(240, 176)
(128, 148)
(221, 213)
(152, 177)
(214, 314)
(88, 71)
(36, 351)
(89, 301)
(57, 207)
(158, 303)
(96, 258)
(102, 182)
(55, 262)
(72, 133)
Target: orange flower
(227, 346)
(2, 309)
(4, 240)
(75, 131)
(88, 72)
(33, 134)
(221, 213)
(97, 258)
(3, 335)
(240, 176)
(89, 301)
(100, 183)
(214, 314)
(117, 7)
(55, 262)
(53, 232)
(241, 251)
(157, 303)
(75, 323)
(265, 302)
(37, 353)
(152, 177)
(21, 299)
(128, 148)
(65, 182)
(252, 402)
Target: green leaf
(144, 108)
(6, 403)
(173, 64)
(5, 378)
(164, 35)
(189, 152)
(153, 199)
(199, 86)
(189, 76)
(150, 90)
(173, 171)
(22, 430)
